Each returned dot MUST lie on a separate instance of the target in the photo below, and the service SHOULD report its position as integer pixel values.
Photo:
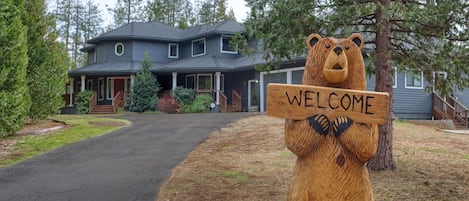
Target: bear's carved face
(334, 62)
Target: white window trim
(395, 77)
(205, 47)
(413, 87)
(112, 86)
(195, 80)
(221, 45)
(177, 50)
(99, 88)
(115, 49)
(211, 80)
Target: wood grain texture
(302, 101)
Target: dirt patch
(39, 127)
(247, 160)
(100, 123)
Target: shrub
(184, 95)
(146, 88)
(201, 103)
(168, 104)
(83, 101)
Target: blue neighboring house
(202, 58)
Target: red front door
(119, 85)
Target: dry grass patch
(247, 160)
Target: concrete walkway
(128, 164)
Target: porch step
(458, 125)
(232, 108)
(102, 109)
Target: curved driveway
(128, 164)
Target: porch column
(218, 75)
(175, 80)
(289, 77)
(261, 92)
(71, 92)
(83, 83)
(132, 78)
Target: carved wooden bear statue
(332, 151)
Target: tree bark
(383, 160)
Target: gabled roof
(164, 32)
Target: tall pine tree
(415, 35)
(14, 97)
(46, 71)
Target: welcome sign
(302, 101)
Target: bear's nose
(338, 50)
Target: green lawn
(80, 127)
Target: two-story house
(202, 58)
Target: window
(226, 47)
(101, 88)
(413, 80)
(198, 47)
(89, 85)
(119, 49)
(394, 78)
(204, 82)
(190, 81)
(109, 89)
(173, 50)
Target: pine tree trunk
(383, 160)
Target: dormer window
(119, 49)
(173, 50)
(226, 46)
(198, 47)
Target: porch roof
(206, 63)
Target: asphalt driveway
(128, 164)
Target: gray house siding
(111, 55)
(157, 51)
(462, 96)
(101, 52)
(239, 81)
(408, 103)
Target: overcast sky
(238, 6)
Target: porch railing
(236, 100)
(92, 102)
(461, 112)
(223, 102)
(449, 109)
(117, 101)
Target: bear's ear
(312, 40)
(357, 39)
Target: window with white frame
(119, 49)
(100, 88)
(414, 80)
(190, 81)
(109, 90)
(226, 46)
(198, 47)
(204, 81)
(394, 77)
(173, 50)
